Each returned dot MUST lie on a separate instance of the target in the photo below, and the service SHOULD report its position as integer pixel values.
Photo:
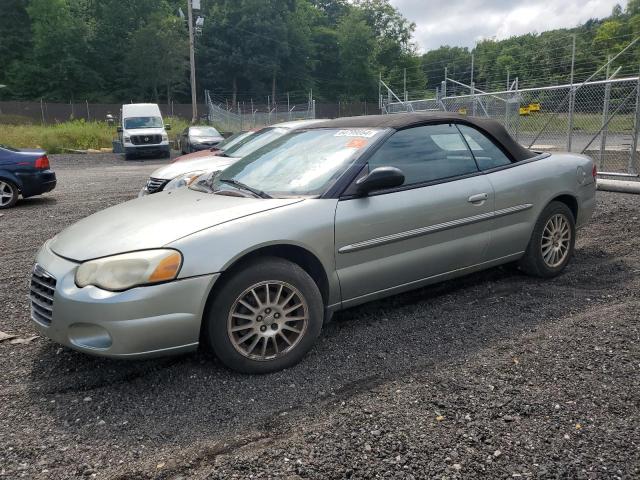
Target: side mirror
(379, 179)
(119, 129)
(167, 127)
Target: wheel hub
(556, 239)
(267, 320)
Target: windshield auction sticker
(356, 132)
(356, 143)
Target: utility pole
(406, 97)
(444, 84)
(192, 61)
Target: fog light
(86, 335)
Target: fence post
(605, 116)
(572, 95)
(473, 87)
(42, 110)
(631, 168)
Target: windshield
(132, 123)
(256, 141)
(233, 140)
(301, 163)
(203, 132)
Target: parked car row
(187, 169)
(23, 172)
(260, 243)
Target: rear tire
(552, 242)
(253, 324)
(9, 194)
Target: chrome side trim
(418, 232)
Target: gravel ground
(495, 375)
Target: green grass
(74, 135)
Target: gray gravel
(495, 375)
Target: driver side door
(401, 238)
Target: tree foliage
(114, 50)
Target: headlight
(183, 180)
(127, 139)
(165, 137)
(121, 272)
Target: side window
(488, 154)
(425, 154)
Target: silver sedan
(252, 261)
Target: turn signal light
(594, 172)
(167, 269)
(42, 162)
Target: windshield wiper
(241, 185)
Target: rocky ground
(495, 375)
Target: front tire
(8, 194)
(552, 242)
(265, 317)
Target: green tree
(15, 33)
(56, 68)
(356, 50)
(157, 57)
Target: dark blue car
(23, 172)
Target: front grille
(41, 291)
(146, 139)
(155, 185)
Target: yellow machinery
(525, 111)
(462, 111)
(534, 107)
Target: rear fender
(12, 177)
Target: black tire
(129, 156)
(533, 262)
(11, 189)
(217, 317)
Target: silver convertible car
(251, 261)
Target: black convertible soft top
(399, 121)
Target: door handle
(478, 198)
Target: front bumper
(144, 150)
(197, 147)
(142, 322)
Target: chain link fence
(599, 118)
(246, 117)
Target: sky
(464, 22)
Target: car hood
(154, 221)
(207, 163)
(207, 139)
(198, 154)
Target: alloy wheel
(267, 320)
(556, 239)
(6, 194)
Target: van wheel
(265, 318)
(552, 242)
(8, 194)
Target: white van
(142, 131)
